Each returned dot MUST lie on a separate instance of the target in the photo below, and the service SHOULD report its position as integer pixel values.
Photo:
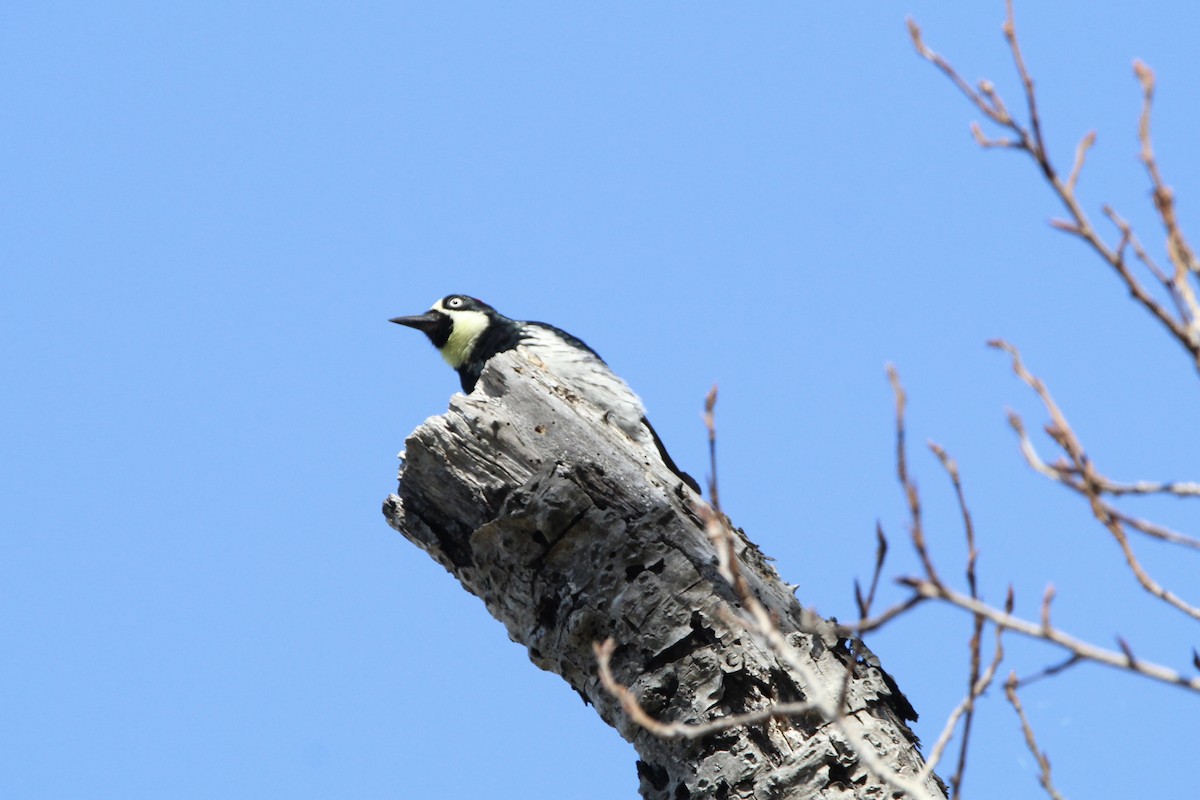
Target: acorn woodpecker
(468, 332)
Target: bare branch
(881, 548)
(1054, 669)
(1164, 197)
(1010, 690)
(965, 710)
(995, 112)
(910, 489)
(1083, 650)
(1177, 488)
(1085, 144)
(986, 143)
(1128, 651)
(951, 468)
(760, 622)
(1066, 476)
(883, 618)
(1038, 145)
(1178, 250)
(1047, 600)
(1088, 483)
(682, 730)
(974, 677)
(710, 402)
(1186, 327)
(1128, 237)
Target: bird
(468, 332)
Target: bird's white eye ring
(454, 302)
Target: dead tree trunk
(570, 534)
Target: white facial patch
(465, 329)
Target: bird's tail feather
(670, 462)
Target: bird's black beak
(427, 322)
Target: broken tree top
(571, 534)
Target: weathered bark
(570, 534)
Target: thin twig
(1129, 238)
(996, 113)
(964, 711)
(1044, 777)
(1038, 143)
(1084, 650)
(951, 467)
(710, 402)
(1084, 145)
(683, 730)
(759, 621)
(1060, 430)
(830, 708)
(1053, 669)
(883, 618)
(910, 488)
(763, 624)
(1164, 199)
(864, 603)
(1047, 601)
(977, 621)
(1067, 477)
(1186, 327)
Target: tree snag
(572, 535)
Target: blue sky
(211, 209)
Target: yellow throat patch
(465, 330)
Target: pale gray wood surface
(571, 533)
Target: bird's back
(581, 370)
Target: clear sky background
(209, 211)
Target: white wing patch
(589, 377)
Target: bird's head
(454, 324)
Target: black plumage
(468, 332)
